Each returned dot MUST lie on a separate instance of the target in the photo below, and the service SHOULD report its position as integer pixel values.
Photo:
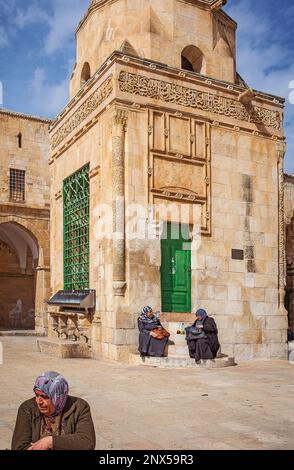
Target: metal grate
(17, 185)
(76, 200)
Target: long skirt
(149, 346)
(200, 349)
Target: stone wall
(31, 157)
(24, 225)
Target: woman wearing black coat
(149, 346)
(207, 345)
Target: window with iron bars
(76, 219)
(17, 185)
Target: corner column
(280, 149)
(119, 123)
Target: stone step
(175, 361)
(20, 333)
(64, 349)
(177, 350)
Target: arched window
(86, 73)
(192, 59)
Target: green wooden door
(175, 273)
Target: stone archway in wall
(290, 273)
(25, 277)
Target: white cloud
(4, 41)
(7, 28)
(66, 16)
(265, 62)
(33, 13)
(46, 99)
(61, 20)
(59, 17)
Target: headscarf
(55, 387)
(144, 318)
(202, 314)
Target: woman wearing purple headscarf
(205, 345)
(53, 419)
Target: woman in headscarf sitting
(151, 344)
(205, 344)
(53, 419)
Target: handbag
(193, 333)
(159, 333)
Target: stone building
(24, 221)
(289, 220)
(167, 172)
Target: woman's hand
(43, 444)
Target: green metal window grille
(76, 218)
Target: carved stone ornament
(280, 151)
(119, 118)
(87, 108)
(58, 195)
(119, 288)
(189, 97)
(94, 172)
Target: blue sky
(37, 53)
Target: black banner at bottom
(143, 459)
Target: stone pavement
(249, 406)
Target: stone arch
(86, 73)
(192, 59)
(28, 239)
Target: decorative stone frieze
(91, 103)
(189, 97)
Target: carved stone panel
(173, 210)
(158, 134)
(182, 177)
(199, 140)
(179, 169)
(179, 135)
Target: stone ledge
(180, 361)
(64, 349)
(20, 333)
